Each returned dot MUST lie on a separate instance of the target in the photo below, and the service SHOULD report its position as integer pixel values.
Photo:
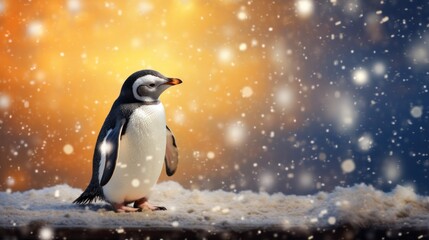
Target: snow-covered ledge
(358, 207)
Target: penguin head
(146, 86)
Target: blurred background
(278, 96)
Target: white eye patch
(145, 80)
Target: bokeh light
(416, 111)
(365, 142)
(348, 166)
(360, 77)
(46, 233)
(304, 7)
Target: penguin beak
(173, 81)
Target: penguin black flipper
(171, 154)
(111, 145)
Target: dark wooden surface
(339, 232)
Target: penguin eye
(152, 85)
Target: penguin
(132, 146)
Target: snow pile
(360, 205)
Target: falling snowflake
(365, 142)
(135, 182)
(236, 133)
(74, 6)
(68, 149)
(246, 92)
(416, 111)
(360, 77)
(46, 233)
(4, 101)
(348, 166)
(225, 55)
(304, 7)
(35, 29)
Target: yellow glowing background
(63, 63)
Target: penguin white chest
(141, 156)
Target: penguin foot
(152, 208)
(143, 204)
(158, 208)
(120, 207)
